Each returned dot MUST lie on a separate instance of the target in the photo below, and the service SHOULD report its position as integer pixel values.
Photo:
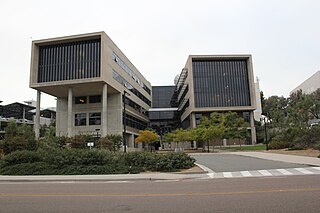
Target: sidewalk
(280, 157)
(88, 178)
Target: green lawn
(244, 148)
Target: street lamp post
(124, 120)
(265, 121)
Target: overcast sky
(157, 36)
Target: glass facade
(118, 60)
(135, 122)
(68, 61)
(125, 83)
(221, 83)
(162, 96)
(164, 118)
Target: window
(95, 99)
(95, 118)
(80, 119)
(80, 100)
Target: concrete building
(258, 111)
(23, 114)
(99, 90)
(91, 79)
(310, 85)
(216, 83)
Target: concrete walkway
(86, 178)
(157, 176)
(280, 157)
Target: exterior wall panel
(69, 61)
(221, 83)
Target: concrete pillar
(104, 116)
(70, 113)
(193, 120)
(253, 129)
(37, 118)
(131, 141)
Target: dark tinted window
(80, 100)
(162, 96)
(95, 118)
(67, 61)
(95, 99)
(221, 83)
(80, 119)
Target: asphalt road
(272, 194)
(230, 163)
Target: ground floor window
(95, 118)
(80, 119)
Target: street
(262, 194)
(230, 163)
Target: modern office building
(310, 85)
(99, 90)
(23, 114)
(164, 115)
(91, 79)
(216, 83)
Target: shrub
(279, 144)
(84, 161)
(20, 157)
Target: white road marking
(211, 175)
(304, 171)
(227, 174)
(284, 172)
(246, 174)
(317, 168)
(265, 173)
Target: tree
(275, 108)
(18, 138)
(211, 129)
(147, 136)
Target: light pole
(265, 121)
(124, 120)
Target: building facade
(216, 83)
(99, 91)
(92, 80)
(310, 85)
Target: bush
(20, 157)
(279, 145)
(84, 161)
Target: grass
(244, 148)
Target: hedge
(87, 162)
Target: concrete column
(104, 116)
(253, 129)
(37, 118)
(193, 120)
(70, 112)
(131, 141)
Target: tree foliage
(18, 138)
(147, 136)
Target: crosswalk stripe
(265, 172)
(246, 173)
(284, 172)
(227, 174)
(304, 171)
(317, 168)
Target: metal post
(265, 132)
(124, 122)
